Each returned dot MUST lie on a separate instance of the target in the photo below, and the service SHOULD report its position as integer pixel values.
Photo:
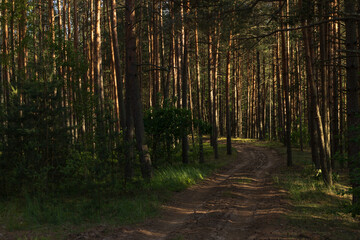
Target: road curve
(239, 202)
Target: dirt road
(239, 202)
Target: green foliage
(204, 127)
(175, 179)
(297, 132)
(37, 141)
(316, 208)
(167, 122)
(37, 150)
(137, 202)
(120, 210)
(85, 173)
(165, 125)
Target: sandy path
(237, 203)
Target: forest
(105, 99)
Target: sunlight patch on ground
(243, 179)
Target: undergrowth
(138, 201)
(316, 209)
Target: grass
(63, 215)
(316, 209)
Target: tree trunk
(118, 77)
(174, 68)
(353, 108)
(239, 90)
(215, 89)
(149, 39)
(298, 78)
(280, 120)
(258, 102)
(133, 89)
(335, 103)
(324, 58)
(164, 80)
(198, 85)
(314, 102)
(228, 120)
(210, 88)
(99, 84)
(5, 71)
(184, 77)
(286, 83)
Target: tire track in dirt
(245, 204)
(239, 202)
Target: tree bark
(133, 88)
(258, 102)
(228, 119)
(118, 77)
(280, 120)
(174, 68)
(353, 90)
(198, 86)
(5, 71)
(285, 75)
(215, 91)
(326, 171)
(184, 77)
(210, 88)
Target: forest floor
(239, 202)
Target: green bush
(165, 125)
(297, 132)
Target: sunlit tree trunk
(227, 85)
(210, 78)
(247, 130)
(113, 86)
(264, 112)
(274, 119)
(280, 120)
(99, 84)
(314, 101)
(165, 84)
(233, 93)
(198, 88)
(253, 125)
(258, 101)
(5, 70)
(215, 112)
(179, 54)
(239, 101)
(335, 94)
(298, 76)
(325, 79)
(174, 68)
(191, 102)
(156, 53)
(116, 51)
(22, 51)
